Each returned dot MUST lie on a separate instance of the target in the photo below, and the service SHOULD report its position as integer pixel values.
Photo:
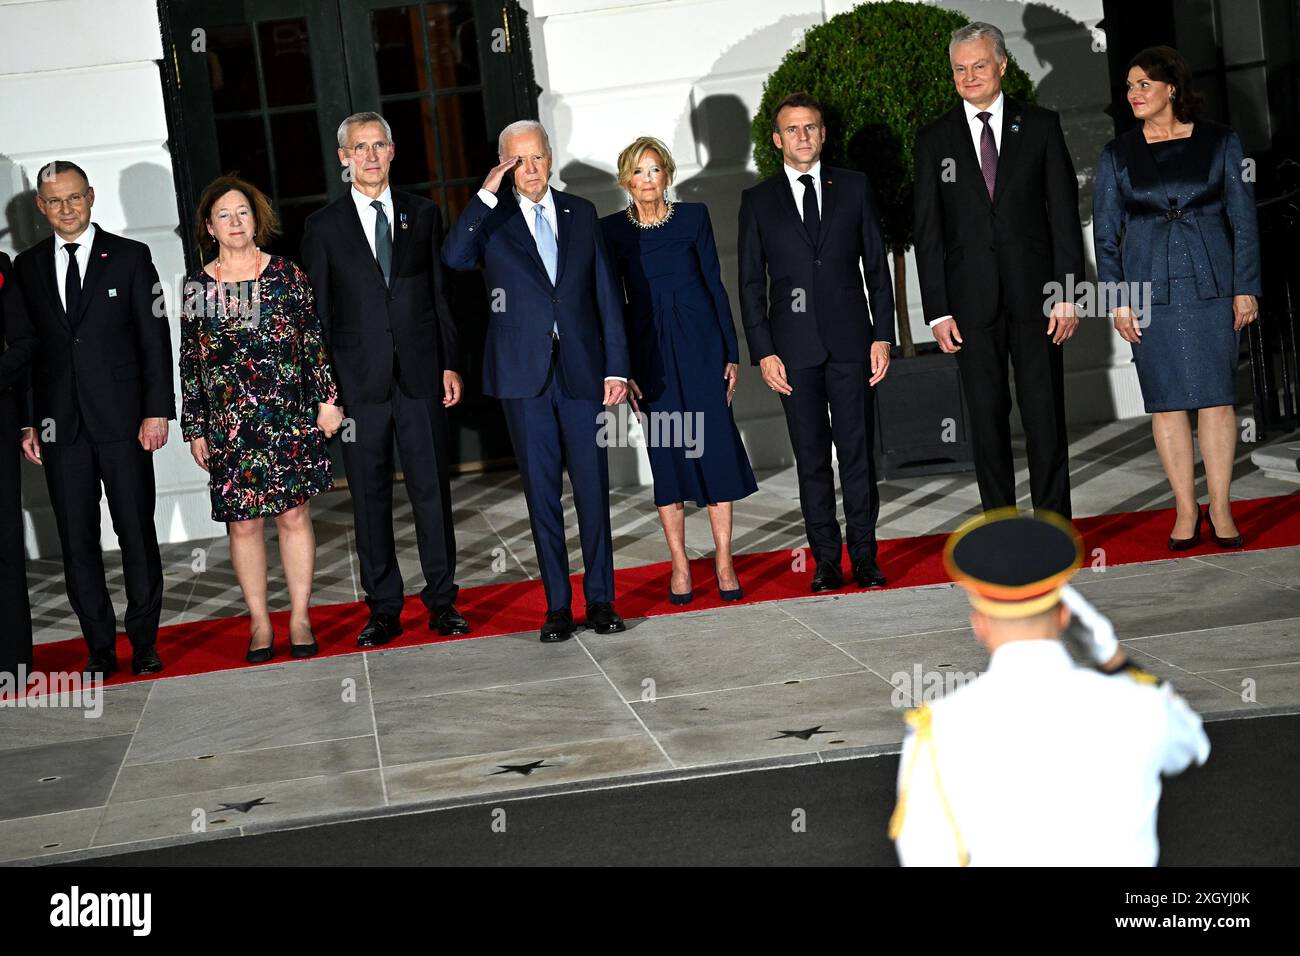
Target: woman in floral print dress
(259, 401)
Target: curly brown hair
(264, 215)
(1166, 65)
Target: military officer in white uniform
(1040, 761)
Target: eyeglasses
(75, 201)
(361, 149)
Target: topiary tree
(881, 72)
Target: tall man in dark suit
(997, 223)
(556, 354)
(803, 233)
(372, 259)
(102, 395)
(15, 610)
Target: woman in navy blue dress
(685, 358)
(1174, 216)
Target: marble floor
(808, 679)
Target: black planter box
(921, 421)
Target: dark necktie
(72, 283)
(383, 243)
(811, 218)
(988, 154)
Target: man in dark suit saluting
(15, 610)
(372, 259)
(803, 234)
(997, 223)
(102, 395)
(556, 353)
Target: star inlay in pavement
(802, 734)
(523, 769)
(246, 806)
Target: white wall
(79, 80)
(691, 72)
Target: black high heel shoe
(735, 594)
(1183, 544)
(1232, 543)
(304, 650)
(260, 655)
(675, 598)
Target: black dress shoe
(448, 621)
(145, 660)
(379, 630)
(867, 573)
(827, 577)
(1183, 544)
(101, 663)
(1236, 541)
(558, 627)
(603, 619)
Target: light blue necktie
(545, 241)
(546, 248)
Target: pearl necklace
(631, 215)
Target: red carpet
(220, 644)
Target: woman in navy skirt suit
(685, 358)
(1178, 248)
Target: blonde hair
(628, 159)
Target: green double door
(260, 87)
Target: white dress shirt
(530, 220)
(84, 242)
(797, 187)
(368, 215)
(1042, 762)
(976, 126)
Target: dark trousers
(74, 471)
(841, 388)
(1040, 390)
(549, 432)
(420, 427)
(15, 611)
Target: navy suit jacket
(584, 301)
(1132, 216)
(804, 303)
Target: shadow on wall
(720, 127)
(1076, 86)
(23, 225)
(597, 184)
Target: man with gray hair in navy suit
(556, 353)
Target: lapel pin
(112, 293)
(103, 255)
(1015, 124)
(402, 216)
